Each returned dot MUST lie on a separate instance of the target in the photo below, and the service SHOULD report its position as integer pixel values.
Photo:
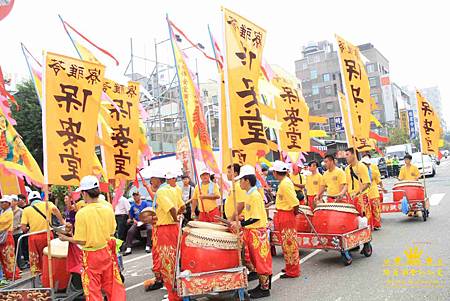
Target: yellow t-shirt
(166, 199)
(313, 183)
(333, 180)
(296, 180)
(409, 173)
(376, 179)
(36, 221)
(95, 225)
(241, 196)
(6, 220)
(254, 208)
(206, 205)
(362, 172)
(286, 197)
(179, 196)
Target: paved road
(324, 277)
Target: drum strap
(353, 176)
(301, 180)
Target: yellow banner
(72, 90)
(121, 160)
(196, 122)
(357, 92)
(9, 184)
(14, 155)
(244, 43)
(293, 113)
(429, 124)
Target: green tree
(398, 136)
(29, 119)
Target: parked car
(428, 168)
(381, 163)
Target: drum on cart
(208, 248)
(301, 221)
(335, 218)
(413, 190)
(60, 274)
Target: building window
(205, 93)
(313, 74)
(371, 68)
(328, 90)
(305, 65)
(373, 82)
(326, 77)
(330, 106)
(315, 90)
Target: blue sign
(338, 124)
(412, 125)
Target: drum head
(341, 207)
(408, 183)
(59, 248)
(204, 225)
(305, 209)
(146, 213)
(209, 238)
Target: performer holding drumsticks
(333, 181)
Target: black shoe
(254, 290)
(283, 270)
(377, 228)
(252, 276)
(126, 253)
(286, 276)
(259, 293)
(155, 286)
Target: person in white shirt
(122, 208)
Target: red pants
(36, 245)
(285, 223)
(167, 252)
(74, 259)
(257, 243)
(101, 273)
(155, 255)
(209, 216)
(376, 212)
(363, 206)
(7, 257)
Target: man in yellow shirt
(7, 257)
(374, 193)
(167, 208)
(313, 182)
(95, 226)
(286, 203)
(299, 181)
(409, 171)
(333, 181)
(255, 232)
(206, 198)
(358, 183)
(34, 220)
(241, 195)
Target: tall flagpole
(421, 146)
(24, 49)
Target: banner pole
(49, 247)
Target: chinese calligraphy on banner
(72, 90)
(357, 92)
(429, 124)
(346, 123)
(193, 109)
(122, 158)
(293, 113)
(244, 43)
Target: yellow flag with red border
(244, 44)
(71, 90)
(357, 93)
(429, 124)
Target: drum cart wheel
(347, 257)
(424, 215)
(367, 249)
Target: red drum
(414, 191)
(206, 250)
(335, 218)
(300, 219)
(59, 265)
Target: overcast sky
(412, 35)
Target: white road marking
(304, 259)
(436, 198)
(136, 258)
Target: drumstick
(220, 219)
